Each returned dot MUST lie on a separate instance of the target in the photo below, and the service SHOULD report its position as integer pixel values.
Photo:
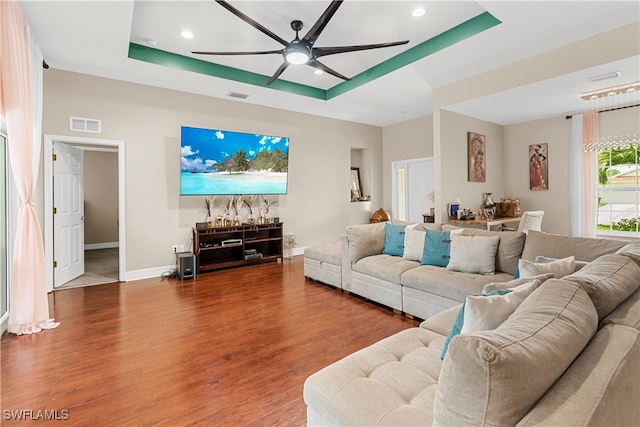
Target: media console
(225, 247)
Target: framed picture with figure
(476, 152)
(538, 166)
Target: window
(618, 191)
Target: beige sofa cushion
(330, 252)
(473, 254)
(391, 382)
(385, 267)
(509, 248)
(489, 378)
(449, 284)
(632, 250)
(365, 240)
(609, 280)
(626, 314)
(560, 246)
(597, 387)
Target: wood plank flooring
(230, 348)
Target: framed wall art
(539, 167)
(356, 186)
(476, 153)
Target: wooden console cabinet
(226, 247)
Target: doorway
(88, 145)
(412, 189)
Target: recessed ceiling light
(318, 72)
(151, 42)
(418, 12)
(187, 34)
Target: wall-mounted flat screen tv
(220, 162)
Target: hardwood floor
(230, 348)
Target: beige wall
(454, 177)
(555, 201)
(100, 197)
(412, 139)
(317, 207)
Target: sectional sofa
(420, 288)
(568, 354)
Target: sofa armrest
(600, 388)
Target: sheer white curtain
(20, 104)
(582, 167)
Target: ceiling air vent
(80, 124)
(238, 95)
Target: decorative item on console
(465, 214)
(508, 207)
(267, 205)
(488, 207)
(251, 219)
(208, 202)
(236, 202)
(380, 216)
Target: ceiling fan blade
(320, 66)
(259, 52)
(253, 23)
(279, 71)
(323, 51)
(322, 22)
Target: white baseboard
(297, 251)
(105, 245)
(147, 273)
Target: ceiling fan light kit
(300, 51)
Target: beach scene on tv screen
(225, 162)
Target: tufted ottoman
(323, 262)
(392, 382)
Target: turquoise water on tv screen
(192, 184)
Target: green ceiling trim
(467, 29)
(180, 62)
(450, 37)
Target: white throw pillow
(512, 284)
(543, 259)
(487, 312)
(413, 243)
(473, 254)
(559, 268)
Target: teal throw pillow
(459, 322)
(437, 248)
(394, 239)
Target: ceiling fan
(300, 51)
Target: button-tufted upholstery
(392, 382)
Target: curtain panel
(28, 302)
(582, 165)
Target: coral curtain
(582, 165)
(28, 302)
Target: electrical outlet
(181, 248)
(174, 248)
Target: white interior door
(68, 217)
(412, 187)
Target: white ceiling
(93, 37)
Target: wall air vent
(238, 95)
(80, 124)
